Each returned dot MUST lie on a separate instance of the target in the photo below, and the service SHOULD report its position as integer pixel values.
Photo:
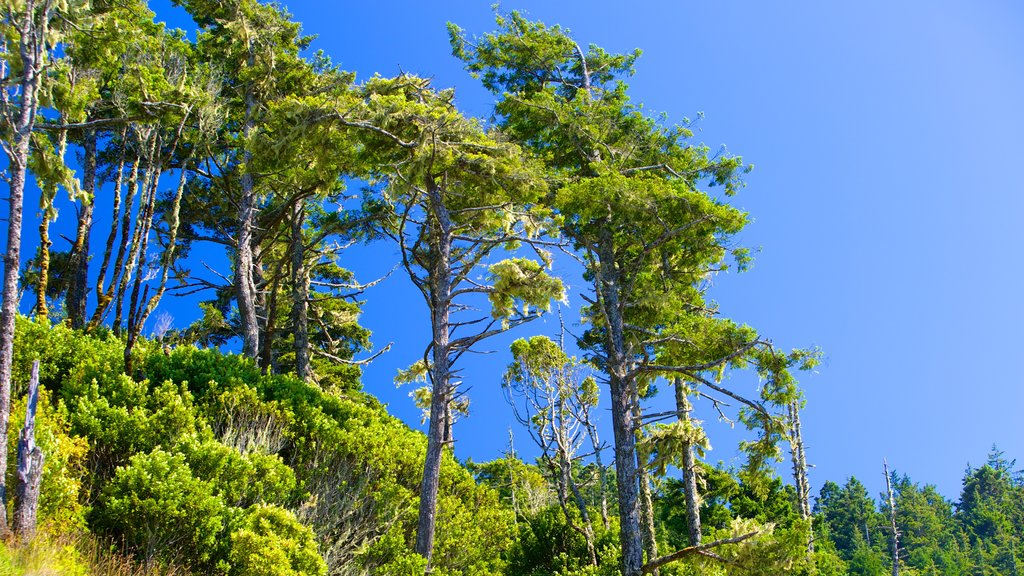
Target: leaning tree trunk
(31, 47)
(30, 467)
(799, 458)
(683, 409)
(440, 371)
(104, 291)
(623, 425)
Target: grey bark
(799, 459)
(622, 386)
(683, 409)
(105, 294)
(440, 369)
(75, 299)
(138, 319)
(646, 501)
(566, 481)
(300, 293)
(145, 224)
(245, 285)
(30, 467)
(31, 46)
(647, 513)
(602, 484)
(135, 243)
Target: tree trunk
(151, 303)
(300, 293)
(892, 522)
(135, 308)
(31, 48)
(30, 467)
(245, 285)
(601, 482)
(41, 308)
(647, 513)
(141, 229)
(105, 293)
(799, 458)
(622, 394)
(75, 299)
(683, 409)
(567, 483)
(440, 370)
(49, 214)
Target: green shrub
(160, 510)
(241, 480)
(271, 542)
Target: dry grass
(83, 555)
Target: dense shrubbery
(200, 460)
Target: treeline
(981, 533)
(239, 140)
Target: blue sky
(886, 205)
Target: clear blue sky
(886, 201)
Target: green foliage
(546, 544)
(269, 541)
(156, 506)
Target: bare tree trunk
(75, 299)
(566, 481)
(601, 482)
(799, 458)
(683, 409)
(245, 285)
(31, 44)
(135, 329)
(30, 467)
(144, 226)
(623, 426)
(135, 254)
(104, 294)
(646, 501)
(440, 371)
(892, 522)
(647, 513)
(300, 293)
(269, 333)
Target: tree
(556, 409)
(628, 191)
(850, 519)
(989, 514)
(454, 195)
(28, 31)
(256, 47)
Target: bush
(271, 542)
(161, 511)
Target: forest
(238, 168)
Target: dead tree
(799, 459)
(892, 522)
(30, 467)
